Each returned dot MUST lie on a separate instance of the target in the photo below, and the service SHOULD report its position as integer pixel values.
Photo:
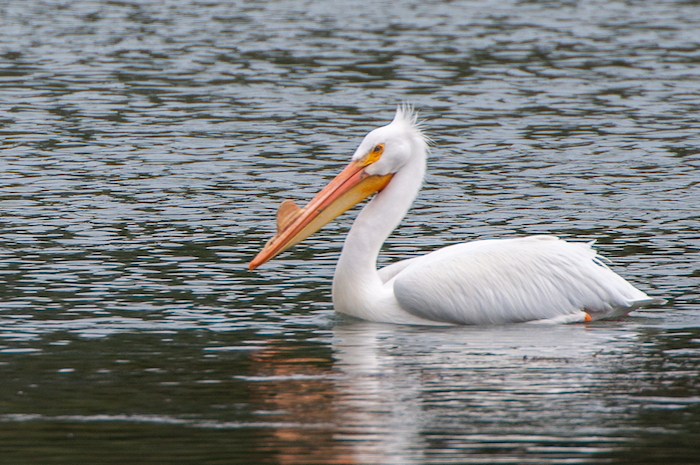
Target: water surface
(145, 146)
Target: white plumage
(536, 278)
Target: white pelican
(535, 278)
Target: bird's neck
(356, 279)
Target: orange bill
(295, 224)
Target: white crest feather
(405, 114)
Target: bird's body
(536, 278)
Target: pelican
(529, 279)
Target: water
(145, 146)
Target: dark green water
(144, 147)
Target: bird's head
(386, 149)
(381, 154)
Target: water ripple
(145, 147)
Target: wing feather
(391, 270)
(513, 280)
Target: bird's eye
(373, 154)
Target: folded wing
(514, 280)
